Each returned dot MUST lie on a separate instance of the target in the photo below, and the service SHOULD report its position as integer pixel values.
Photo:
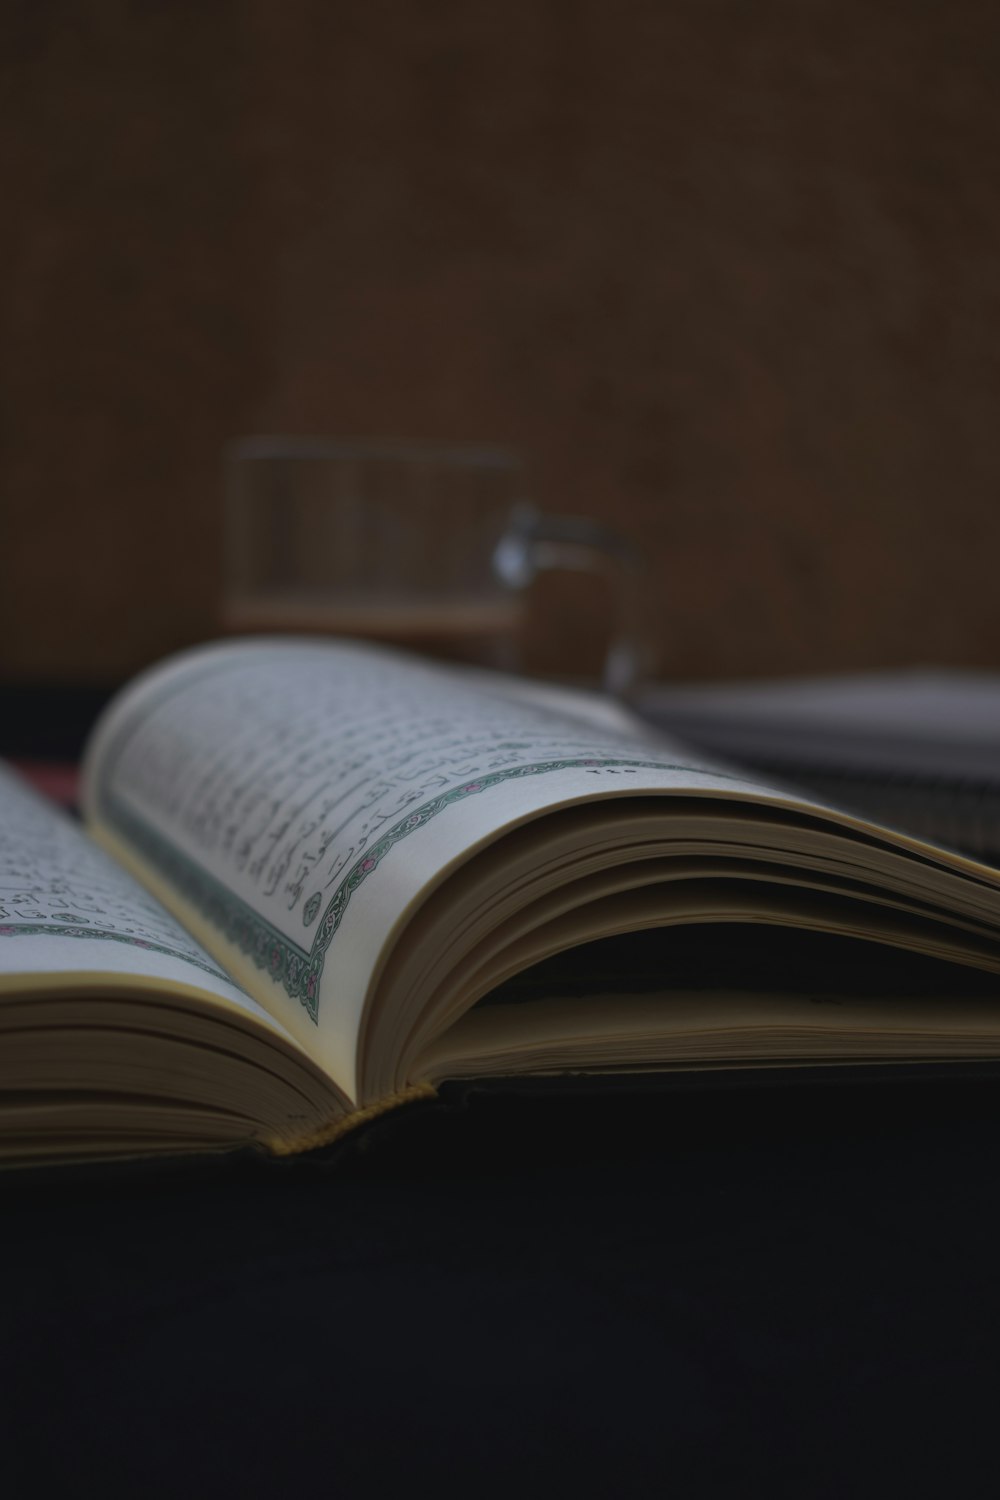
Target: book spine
(336, 1129)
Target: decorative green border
(41, 929)
(288, 964)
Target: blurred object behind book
(916, 749)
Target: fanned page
(293, 801)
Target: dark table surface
(780, 1289)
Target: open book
(320, 880)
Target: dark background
(726, 273)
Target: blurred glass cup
(429, 548)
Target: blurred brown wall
(727, 273)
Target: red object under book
(58, 780)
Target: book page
(292, 800)
(70, 916)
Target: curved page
(293, 801)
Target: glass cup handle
(536, 542)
